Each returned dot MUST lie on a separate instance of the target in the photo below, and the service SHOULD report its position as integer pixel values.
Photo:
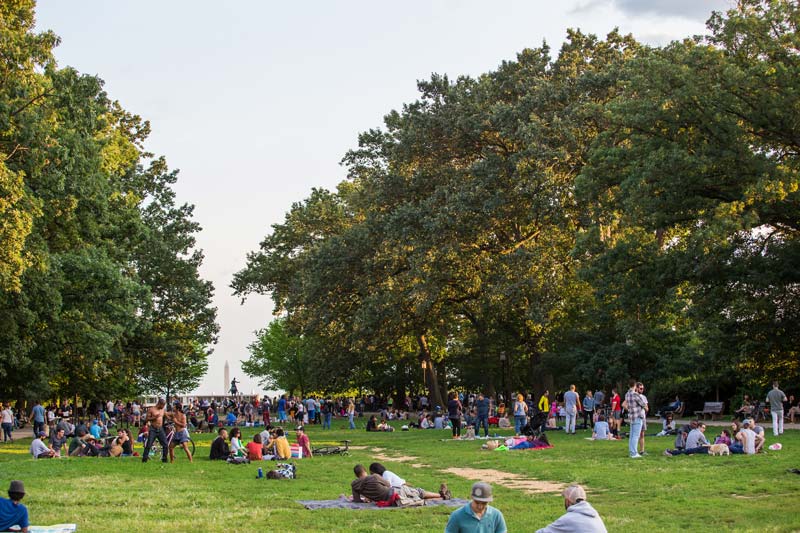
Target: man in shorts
(181, 437)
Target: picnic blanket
(345, 504)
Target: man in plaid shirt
(636, 406)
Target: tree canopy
(100, 294)
(616, 210)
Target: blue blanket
(345, 504)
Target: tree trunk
(434, 394)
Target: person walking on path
(636, 412)
(7, 421)
(776, 397)
(37, 415)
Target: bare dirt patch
(397, 458)
(357, 447)
(510, 481)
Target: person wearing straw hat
(12, 512)
(477, 516)
(580, 516)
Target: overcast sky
(257, 101)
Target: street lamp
(424, 375)
(503, 374)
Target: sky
(256, 102)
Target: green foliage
(98, 271)
(614, 211)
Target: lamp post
(503, 374)
(424, 375)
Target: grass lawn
(656, 493)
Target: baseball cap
(42, 434)
(574, 493)
(481, 492)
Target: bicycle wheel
(325, 450)
(155, 451)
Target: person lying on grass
(397, 483)
(373, 488)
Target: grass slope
(656, 493)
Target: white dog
(719, 449)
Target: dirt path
(510, 481)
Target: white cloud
(688, 9)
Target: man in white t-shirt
(399, 484)
(747, 437)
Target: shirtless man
(181, 433)
(155, 417)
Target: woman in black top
(454, 409)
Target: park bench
(713, 409)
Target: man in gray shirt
(571, 402)
(776, 397)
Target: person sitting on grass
(601, 430)
(580, 516)
(39, 449)
(255, 449)
(384, 426)
(12, 512)
(58, 442)
(760, 435)
(696, 442)
(746, 440)
(280, 445)
(397, 483)
(219, 448)
(303, 442)
(231, 420)
(237, 448)
(724, 438)
(372, 423)
(477, 516)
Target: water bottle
(260, 473)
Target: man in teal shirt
(478, 516)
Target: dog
(719, 449)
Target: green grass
(656, 493)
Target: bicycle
(334, 450)
(155, 450)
